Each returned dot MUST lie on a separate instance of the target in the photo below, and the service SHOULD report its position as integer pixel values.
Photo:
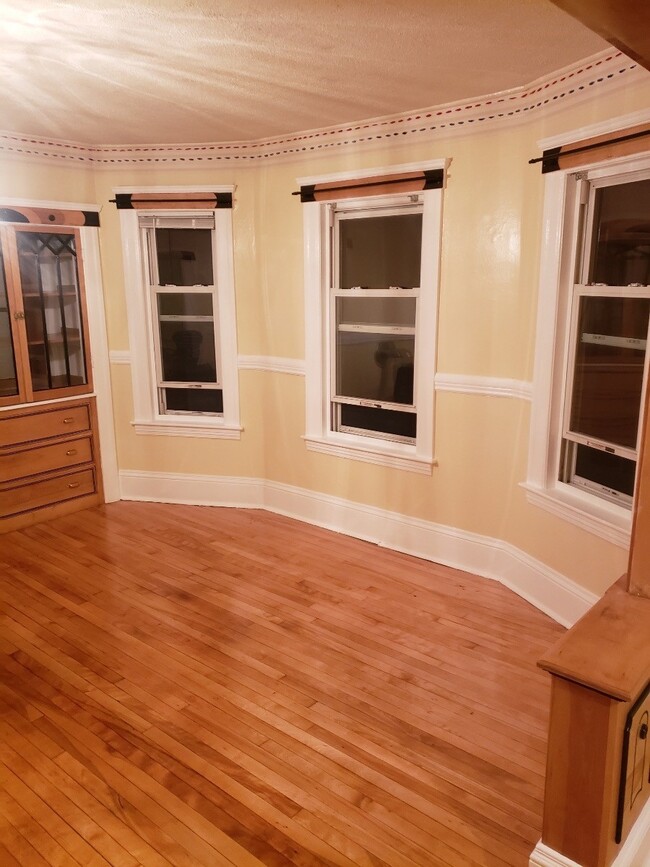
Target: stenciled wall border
(602, 72)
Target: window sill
(605, 520)
(175, 428)
(382, 457)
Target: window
(371, 283)
(183, 303)
(373, 305)
(182, 322)
(599, 361)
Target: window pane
(379, 420)
(8, 381)
(377, 311)
(184, 257)
(621, 239)
(373, 368)
(192, 400)
(50, 287)
(185, 304)
(188, 352)
(605, 469)
(378, 252)
(608, 377)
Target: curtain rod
(433, 179)
(555, 153)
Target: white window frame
(319, 328)
(563, 198)
(143, 336)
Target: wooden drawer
(45, 458)
(44, 424)
(36, 494)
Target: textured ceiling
(162, 71)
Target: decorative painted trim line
(567, 85)
(553, 593)
(120, 356)
(178, 429)
(577, 515)
(490, 385)
(271, 363)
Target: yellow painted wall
(488, 305)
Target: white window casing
(320, 434)
(143, 339)
(565, 201)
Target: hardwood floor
(199, 686)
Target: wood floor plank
(196, 686)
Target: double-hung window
(373, 307)
(591, 357)
(184, 307)
(606, 368)
(181, 308)
(371, 282)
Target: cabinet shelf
(52, 294)
(55, 341)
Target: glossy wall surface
(487, 318)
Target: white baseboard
(191, 490)
(543, 856)
(553, 593)
(635, 851)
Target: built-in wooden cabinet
(598, 763)
(49, 452)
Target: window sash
(572, 477)
(580, 292)
(148, 225)
(372, 433)
(358, 210)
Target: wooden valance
(185, 201)
(378, 185)
(622, 143)
(48, 216)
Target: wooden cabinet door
(49, 351)
(14, 387)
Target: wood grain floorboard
(199, 686)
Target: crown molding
(600, 73)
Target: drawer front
(21, 498)
(41, 425)
(45, 459)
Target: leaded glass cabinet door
(50, 274)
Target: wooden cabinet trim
(608, 649)
(54, 488)
(21, 427)
(27, 460)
